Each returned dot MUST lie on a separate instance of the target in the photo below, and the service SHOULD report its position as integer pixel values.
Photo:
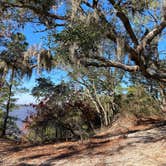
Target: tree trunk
(8, 105)
(163, 100)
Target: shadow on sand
(70, 151)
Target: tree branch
(107, 63)
(95, 3)
(151, 35)
(125, 22)
(34, 9)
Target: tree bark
(8, 105)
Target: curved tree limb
(103, 62)
(151, 35)
(125, 22)
(34, 9)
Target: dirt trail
(141, 146)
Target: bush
(68, 120)
(140, 103)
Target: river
(21, 113)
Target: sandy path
(141, 148)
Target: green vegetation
(110, 49)
(14, 69)
(7, 122)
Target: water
(21, 113)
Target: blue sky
(56, 75)
(32, 38)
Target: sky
(56, 75)
(33, 38)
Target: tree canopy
(101, 44)
(86, 30)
